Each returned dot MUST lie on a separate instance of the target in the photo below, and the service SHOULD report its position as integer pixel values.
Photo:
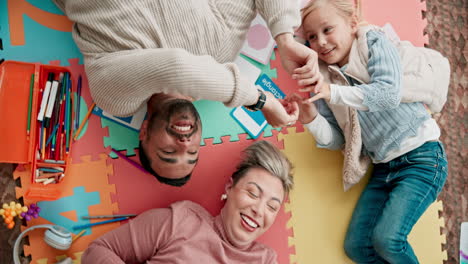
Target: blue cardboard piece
(132, 122)
(254, 122)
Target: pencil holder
(37, 104)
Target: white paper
(259, 44)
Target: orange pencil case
(45, 150)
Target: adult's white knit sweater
(135, 48)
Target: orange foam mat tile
(93, 176)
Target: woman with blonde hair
(186, 233)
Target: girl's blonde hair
(347, 7)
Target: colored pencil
(57, 116)
(63, 117)
(58, 102)
(61, 146)
(54, 161)
(107, 216)
(31, 87)
(67, 115)
(41, 130)
(77, 236)
(70, 117)
(52, 135)
(50, 170)
(48, 175)
(58, 153)
(100, 223)
(135, 164)
(64, 86)
(77, 133)
(43, 141)
(78, 99)
(52, 147)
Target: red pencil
(59, 132)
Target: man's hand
(307, 110)
(278, 112)
(295, 57)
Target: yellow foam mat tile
(321, 210)
(76, 260)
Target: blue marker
(100, 223)
(78, 99)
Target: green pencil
(31, 86)
(67, 114)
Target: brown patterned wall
(448, 33)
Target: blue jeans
(396, 196)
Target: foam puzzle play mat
(310, 227)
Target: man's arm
(121, 82)
(281, 16)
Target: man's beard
(181, 107)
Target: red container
(17, 146)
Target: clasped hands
(302, 63)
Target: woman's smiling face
(251, 207)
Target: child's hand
(320, 92)
(307, 111)
(311, 78)
(314, 83)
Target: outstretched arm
(121, 82)
(320, 121)
(134, 242)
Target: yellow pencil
(77, 236)
(77, 133)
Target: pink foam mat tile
(405, 16)
(137, 191)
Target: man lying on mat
(136, 50)
(187, 233)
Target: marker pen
(45, 96)
(52, 101)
